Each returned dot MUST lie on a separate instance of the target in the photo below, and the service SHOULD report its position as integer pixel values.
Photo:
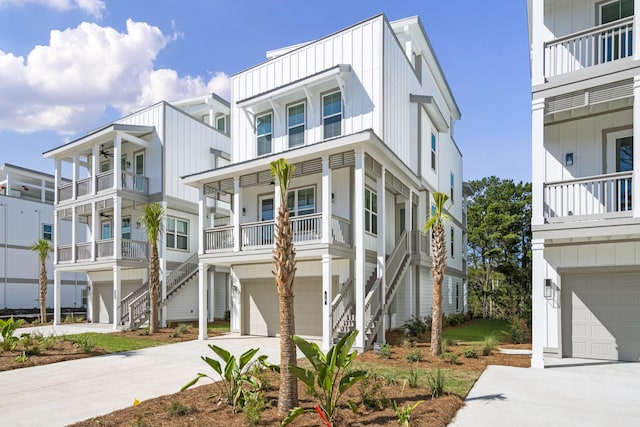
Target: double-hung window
(221, 123)
(453, 186)
(264, 132)
(453, 243)
(301, 201)
(295, 125)
(177, 234)
(433, 151)
(47, 232)
(370, 211)
(332, 114)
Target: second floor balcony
(105, 181)
(133, 250)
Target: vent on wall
(596, 95)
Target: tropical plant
(152, 221)
(284, 257)
(404, 413)
(435, 382)
(237, 381)
(43, 248)
(416, 326)
(7, 329)
(330, 377)
(439, 250)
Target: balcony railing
(603, 196)
(306, 228)
(105, 180)
(83, 251)
(65, 253)
(65, 192)
(594, 46)
(130, 182)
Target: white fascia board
(433, 111)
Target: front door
(615, 43)
(138, 170)
(620, 159)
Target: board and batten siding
(357, 46)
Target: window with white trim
(47, 232)
(295, 125)
(221, 123)
(332, 114)
(433, 151)
(264, 133)
(453, 240)
(126, 228)
(457, 296)
(177, 234)
(453, 186)
(301, 201)
(370, 211)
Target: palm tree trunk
(439, 253)
(43, 293)
(154, 286)
(284, 257)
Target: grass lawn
(114, 343)
(474, 332)
(219, 327)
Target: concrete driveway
(67, 392)
(568, 392)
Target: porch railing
(134, 249)
(65, 191)
(584, 49)
(83, 251)
(256, 234)
(135, 183)
(83, 187)
(592, 197)
(105, 180)
(104, 248)
(341, 230)
(307, 227)
(218, 238)
(342, 304)
(419, 243)
(64, 253)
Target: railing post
(358, 228)
(327, 298)
(381, 247)
(326, 220)
(202, 302)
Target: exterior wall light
(547, 288)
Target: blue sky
(69, 66)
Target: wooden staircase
(135, 307)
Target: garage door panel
(601, 316)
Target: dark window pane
(296, 136)
(296, 115)
(171, 240)
(332, 104)
(182, 242)
(264, 145)
(182, 227)
(332, 126)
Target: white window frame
(224, 123)
(122, 228)
(369, 212)
(269, 134)
(295, 211)
(453, 242)
(330, 116)
(453, 186)
(49, 233)
(175, 234)
(303, 124)
(434, 151)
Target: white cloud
(66, 85)
(92, 7)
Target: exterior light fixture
(547, 288)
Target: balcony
(134, 250)
(259, 235)
(588, 48)
(104, 181)
(590, 198)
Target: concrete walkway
(568, 392)
(66, 329)
(67, 392)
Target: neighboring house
(586, 198)
(367, 117)
(115, 170)
(26, 215)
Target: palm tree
(284, 257)
(152, 221)
(43, 248)
(439, 254)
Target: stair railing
(342, 304)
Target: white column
(538, 159)
(636, 36)
(117, 173)
(43, 190)
(7, 191)
(408, 278)
(55, 235)
(163, 271)
(117, 289)
(212, 115)
(74, 234)
(90, 301)
(358, 241)
(74, 180)
(537, 41)
(94, 230)
(326, 201)
(237, 211)
(327, 298)
(636, 141)
(56, 296)
(201, 221)
(56, 181)
(381, 249)
(202, 301)
(539, 326)
(95, 167)
(117, 228)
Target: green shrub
(261, 373)
(413, 376)
(470, 353)
(414, 355)
(21, 358)
(36, 321)
(435, 382)
(30, 344)
(331, 372)
(450, 357)
(518, 330)
(253, 408)
(385, 351)
(455, 319)
(416, 326)
(177, 409)
(489, 344)
(7, 329)
(404, 413)
(144, 332)
(85, 343)
(370, 390)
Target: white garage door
(260, 307)
(601, 316)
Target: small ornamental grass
(435, 382)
